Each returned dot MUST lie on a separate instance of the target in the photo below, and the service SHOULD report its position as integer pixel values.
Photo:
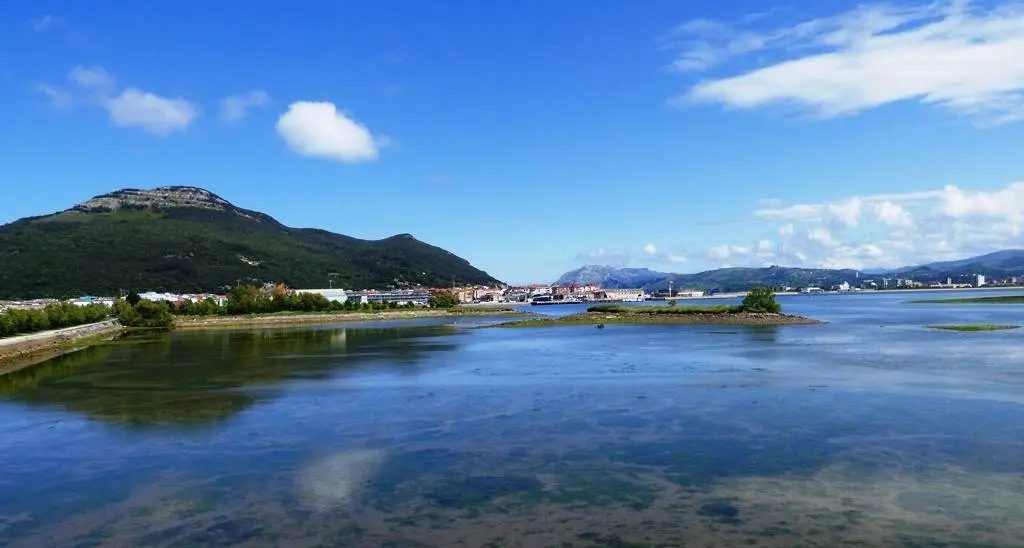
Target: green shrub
(761, 299)
(146, 314)
(54, 316)
(444, 299)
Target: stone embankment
(20, 348)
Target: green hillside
(743, 279)
(189, 240)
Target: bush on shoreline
(761, 299)
(144, 313)
(444, 299)
(54, 316)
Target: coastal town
(533, 294)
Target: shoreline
(23, 351)
(750, 319)
(268, 320)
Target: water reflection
(848, 433)
(203, 376)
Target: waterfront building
(335, 295)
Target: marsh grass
(1006, 299)
(974, 327)
(666, 310)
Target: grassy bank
(299, 318)
(665, 315)
(20, 352)
(1007, 299)
(666, 310)
(974, 327)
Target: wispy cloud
(605, 256)
(234, 108)
(59, 98)
(132, 107)
(951, 54)
(43, 23)
(886, 229)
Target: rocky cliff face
(169, 197)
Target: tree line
(54, 316)
(255, 300)
(134, 311)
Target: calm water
(869, 430)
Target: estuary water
(869, 430)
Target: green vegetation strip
(687, 315)
(1007, 299)
(666, 310)
(974, 327)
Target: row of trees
(133, 311)
(254, 300)
(54, 316)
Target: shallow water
(869, 430)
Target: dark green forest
(77, 253)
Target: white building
(336, 295)
(981, 280)
(628, 295)
(155, 297)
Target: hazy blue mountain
(1006, 260)
(611, 277)
(999, 264)
(743, 279)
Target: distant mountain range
(187, 239)
(1000, 264)
(611, 277)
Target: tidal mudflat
(868, 430)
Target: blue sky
(533, 137)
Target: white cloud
(898, 229)
(893, 214)
(722, 252)
(822, 236)
(158, 115)
(604, 256)
(798, 212)
(92, 78)
(676, 259)
(650, 249)
(318, 129)
(719, 252)
(846, 212)
(235, 107)
(130, 108)
(1004, 204)
(948, 53)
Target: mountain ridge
(188, 239)
(1004, 263)
(611, 277)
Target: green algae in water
(974, 327)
